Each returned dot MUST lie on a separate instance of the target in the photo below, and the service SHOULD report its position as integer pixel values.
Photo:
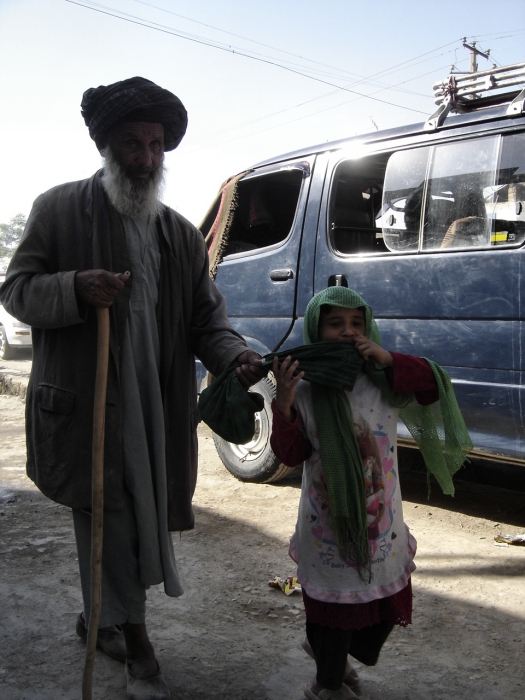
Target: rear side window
(460, 195)
(506, 201)
(461, 176)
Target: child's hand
(286, 383)
(372, 351)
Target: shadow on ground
(230, 635)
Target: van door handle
(281, 275)
(337, 281)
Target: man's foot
(151, 688)
(110, 640)
(350, 678)
(140, 655)
(315, 691)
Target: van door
(432, 237)
(258, 273)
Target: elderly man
(109, 242)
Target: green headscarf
(439, 431)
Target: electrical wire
(274, 48)
(361, 79)
(304, 58)
(426, 56)
(214, 134)
(241, 53)
(104, 9)
(239, 36)
(514, 31)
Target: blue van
(426, 222)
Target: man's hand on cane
(99, 287)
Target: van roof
(456, 119)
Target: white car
(14, 335)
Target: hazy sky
(241, 110)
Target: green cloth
(230, 410)
(343, 469)
(332, 364)
(439, 431)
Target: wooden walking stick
(97, 498)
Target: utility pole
(474, 53)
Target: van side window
(355, 203)
(506, 200)
(400, 214)
(265, 211)
(460, 175)
(461, 195)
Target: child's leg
(330, 647)
(366, 643)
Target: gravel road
(230, 635)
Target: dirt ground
(230, 635)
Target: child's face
(342, 324)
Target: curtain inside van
(217, 222)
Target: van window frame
(345, 157)
(274, 169)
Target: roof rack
(464, 91)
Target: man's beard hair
(132, 197)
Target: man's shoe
(351, 678)
(153, 688)
(314, 691)
(110, 640)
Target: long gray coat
(71, 228)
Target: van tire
(255, 462)
(6, 351)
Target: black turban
(135, 99)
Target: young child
(353, 550)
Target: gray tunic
(143, 417)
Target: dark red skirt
(395, 610)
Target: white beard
(133, 198)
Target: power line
(513, 32)
(362, 80)
(240, 53)
(239, 36)
(302, 104)
(186, 35)
(281, 111)
(104, 9)
(289, 53)
(305, 58)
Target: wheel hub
(253, 449)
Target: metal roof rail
(465, 90)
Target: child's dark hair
(324, 310)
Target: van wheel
(255, 462)
(6, 351)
